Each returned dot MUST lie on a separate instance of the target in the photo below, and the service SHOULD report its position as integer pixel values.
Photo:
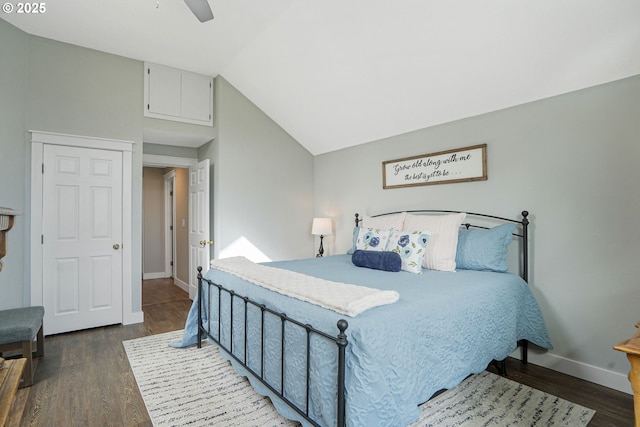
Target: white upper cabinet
(173, 94)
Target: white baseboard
(580, 370)
(182, 285)
(149, 276)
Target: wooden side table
(632, 348)
(10, 376)
(7, 217)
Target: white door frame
(38, 141)
(170, 224)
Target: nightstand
(632, 348)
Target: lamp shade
(322, 226)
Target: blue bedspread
(444, 327)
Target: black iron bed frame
(340, 339)
(278, 389)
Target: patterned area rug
(487, 399)
(197, 387)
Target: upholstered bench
(18, 328)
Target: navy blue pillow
(379, 260)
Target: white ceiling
(338, 73)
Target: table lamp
(321, 227)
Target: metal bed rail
(278, 389)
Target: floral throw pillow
(411, 245)
(371, 239)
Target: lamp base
(321, 249)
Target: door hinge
(171, 263)
(171, 227)
(171, 193)
(147, 106)
(148, 70)
(42, 239)
(43, 168)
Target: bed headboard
(483, 221)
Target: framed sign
(444, 167)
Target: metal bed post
(524, 344)
(246, 318)
(308, 329)
(283, 317)
(525, 246)
(342, 344)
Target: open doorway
(193, 219)
(166, 224)
(161, 207)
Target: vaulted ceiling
(338, 73)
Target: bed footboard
(232, 316)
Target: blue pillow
(484, 249)
(379, 260)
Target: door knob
(116, 246)
(204, 243)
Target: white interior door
(199, 239)
(82, 238)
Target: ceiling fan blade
(201, 9)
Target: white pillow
(384, 222)
(411, 246)
(372, 239)
(441, 250)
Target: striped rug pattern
(487, 399)
(197, 387)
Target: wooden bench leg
(27, 374)
(40, 344)
(29, 354)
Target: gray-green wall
(14, 160)
(51, 86)
(263, 199)
(170, 150)
(572, 162)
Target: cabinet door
(164, 91)
(196, 96)
(178, 95)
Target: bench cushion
(20, 324)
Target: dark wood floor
(85, 379)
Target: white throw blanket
(343, 298)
